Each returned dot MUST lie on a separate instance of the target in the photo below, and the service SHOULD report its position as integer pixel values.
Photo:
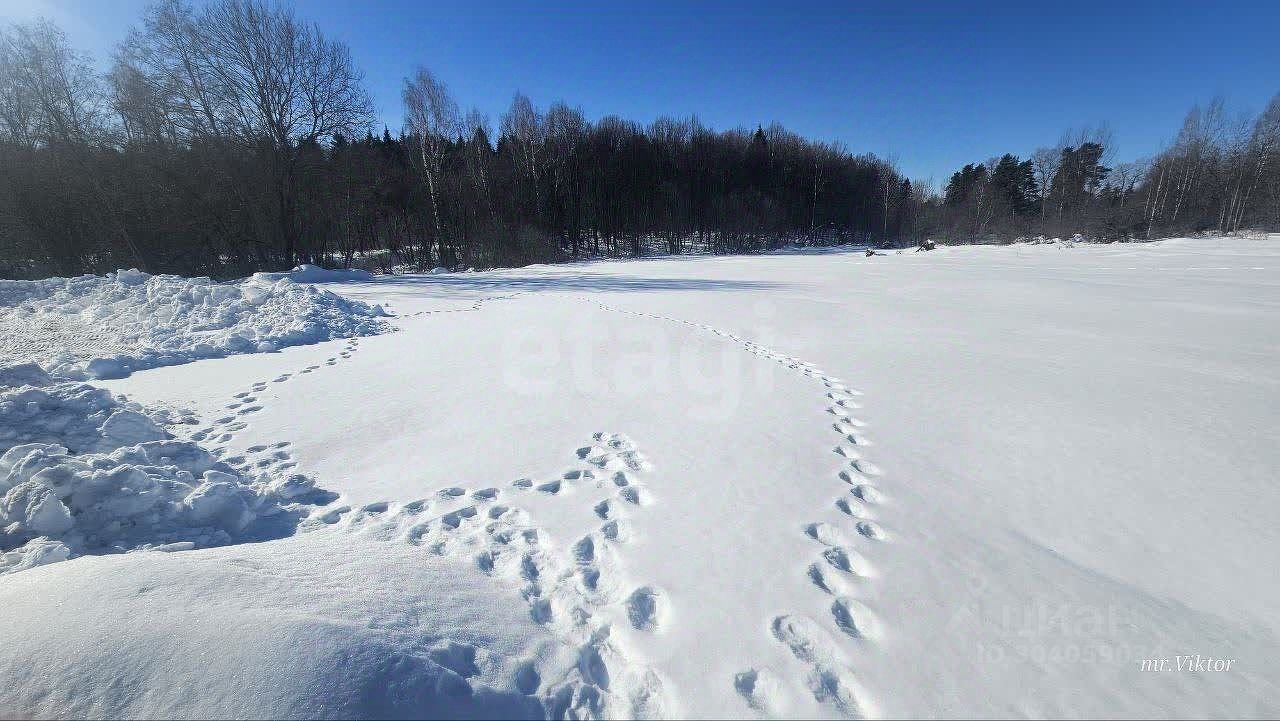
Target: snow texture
(110, 326)
(83, 473)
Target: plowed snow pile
(82, 473)
(109, 326)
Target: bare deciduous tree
(432, 117)
(248, 71)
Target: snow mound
(318, 625)
(109, 326)
(83, 473)
(307, 273)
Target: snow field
(979, 481)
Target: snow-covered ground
(985, 481)
(109, 326)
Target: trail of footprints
(477, 305)
(245, 403)
(273, 458)
(577, 593)
(838, 566)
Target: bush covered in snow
(82, 472)
(109, 326)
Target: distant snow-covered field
(1014, 481)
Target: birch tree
(431, 116)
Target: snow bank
(83, 473)
(109, 326)
(318, 625)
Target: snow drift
(317, 625)
(83, 473)
(109, 326)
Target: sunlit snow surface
(109, 326)
(977, 481)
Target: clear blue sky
(933, 84)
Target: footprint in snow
(865, 467)
(851, 507)
(647, 608)
(634, 495)
(826, 534)
(847, 560)
(828, 581)
(853, 618)
(829, 679)
(868, 493)
(453, 519)
(617, 530)
(871, 530)
(761, 689)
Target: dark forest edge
(237, 137)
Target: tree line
(1220, 175)
(237, 137)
